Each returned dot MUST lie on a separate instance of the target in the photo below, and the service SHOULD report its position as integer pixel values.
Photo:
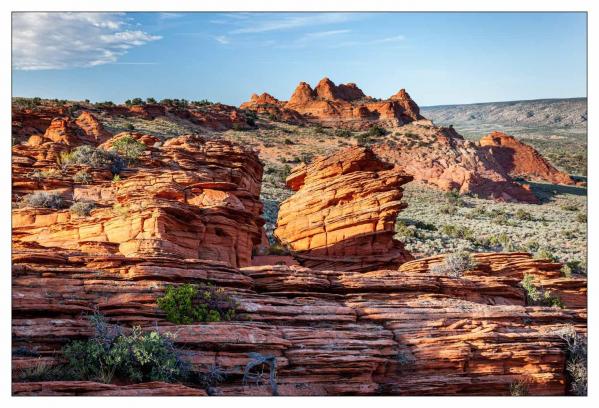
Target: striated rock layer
(387, 332)
(343, 213)
(189, 197)
(521, 160)
(442, 158)
(343, 105)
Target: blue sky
(439, 58)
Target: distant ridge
(554, 113)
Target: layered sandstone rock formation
(389, 332)
(343, 213)
(521, 160)
(189, 197)
(275, 109)
(442, 158)
(343, 105)
(214, 116)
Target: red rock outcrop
(215, 116)
(389, 332)
(148, 111)
(27, 122)
(271, 106)
(92, 128)
(343, 213)
(189, 197)
(521, 160)
(442, 158)
(343, 106)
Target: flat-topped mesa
(521, 160)
(345, 106)
(187, 198)
(343, 214)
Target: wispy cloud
(222, 39)
(66, 40)
(170, 16)
(396, 39)
(278, 23)
(323, 34)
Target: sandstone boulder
(344, 212)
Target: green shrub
(188, 303)
(404, 231)
(82, 208)
(289, 142)
(363, 139)
(129, 126)
(537, 296)
(572, 267)
(129, 148)
(454, 265)
(544, 253)
(523, 215)
(453, 198)
(342, 133)
(319, 129)
(277, 249)
(581, 217)
(97, 158)
(569, 207)
(457, 232)
(43, 199)
(448, 209)
(136, 357)
(82, 177)
(377, 131)
(116, 178)
(151, 100)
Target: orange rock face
(28, 122)
(271, 106)
(215, 116)
(521, 160)
(442, 158)
(344, 106)
(343, 213)
(148, 111)
(189, 197)
(386, 332)
(92, 128)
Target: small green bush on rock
(189, 303)
(537, 296)
(135, 357)
(129, 147)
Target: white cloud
(397, 38)
(222, 39)
(289, 22)
(323, 34)
(68, 40)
